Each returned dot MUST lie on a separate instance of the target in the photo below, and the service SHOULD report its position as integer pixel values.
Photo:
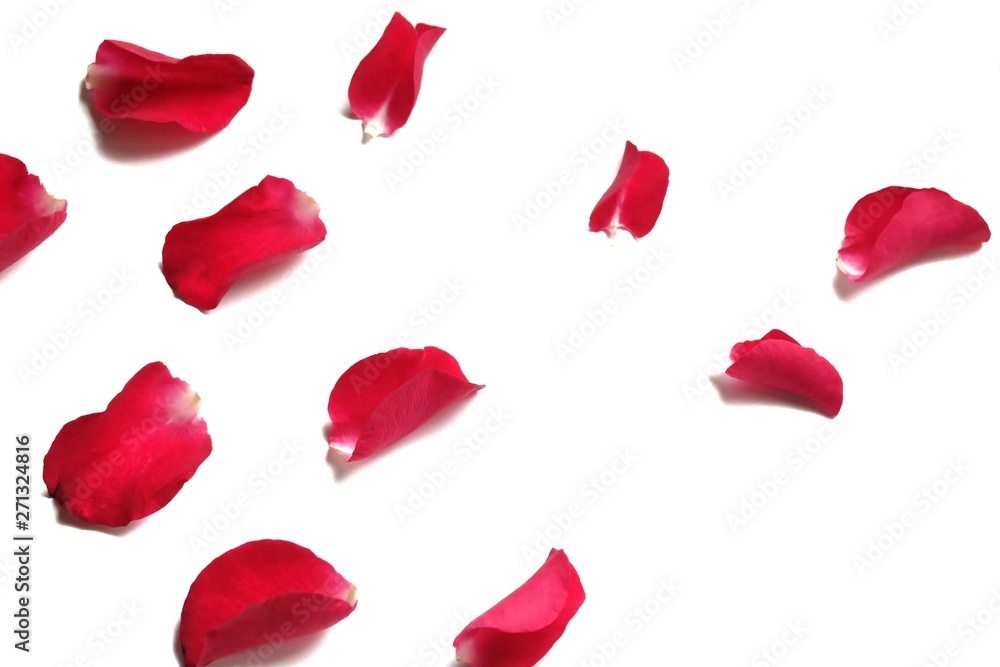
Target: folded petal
(895, 225)
(259, 593)
(201, 93)
(520, 629)
(267, 223)
(384, 397)
(635, 199)
(386, 83)
(28, 214)
(116, 466)
(779, 362)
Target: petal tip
(846, 270)
(345, 449)
(186, 407)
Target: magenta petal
(123, 464)
(779, 362)
(28, 214)
(201, 93)
(382, 398)
(260, 593)
(635, 198)
(271, 221)
(385, 86)
(895, 225)
(522, 628)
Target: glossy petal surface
(385, 86)
(779, 362)
(520, 629)
(201, 93)
(635, 198)
(28, 214)
(896, 225)
(384, 397)
(203, 258)
(120, 465)
(261, 593)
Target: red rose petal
(200, 93)
(267, 223)
(520, 629)
(635, 199)
(893, 226)
(116, 466)
(384, 397)
(386, 83)
(28, 214)
(779, 362)
(257, 593)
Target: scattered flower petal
(383, 398)
(200, 93)
(779, 362)
(258, 591)
(123, 464)
(520, 629)
(385, 86)
(895, 225)
(635, 199)
(269, 222)
(28, 214)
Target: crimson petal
(257, 593)
(267, 223)
(779, 362)
(895, 225)
(386, 396)
(520, 629)
(635, 199)
(385, 86)
(201, 93)
(28, 214)
(120, 465)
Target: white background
(524, 292)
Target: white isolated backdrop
(637, 388)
